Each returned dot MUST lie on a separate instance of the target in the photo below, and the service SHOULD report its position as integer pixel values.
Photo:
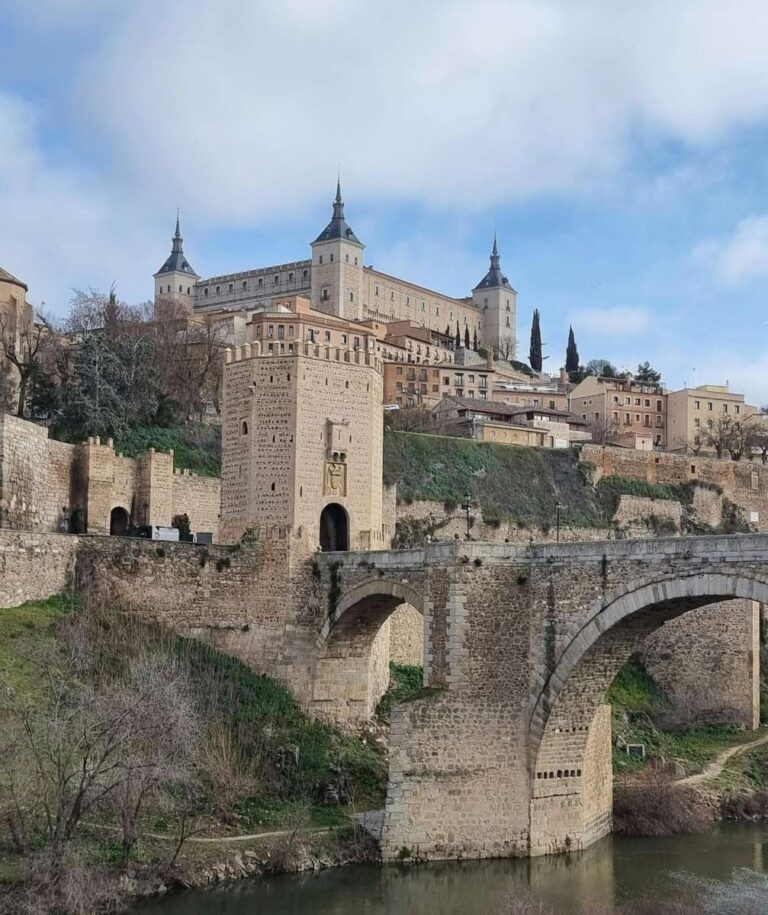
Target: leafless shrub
(652, 805)
(227, 774)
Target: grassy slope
(268, 726)
(636, 699)
(520, 484)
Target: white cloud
(245, 108)
(239, 112)
(59, 225)
(619, 321)
(740, 257)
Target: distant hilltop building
(336, 281)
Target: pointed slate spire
(177, 263)
(494, 277)
(337, 227)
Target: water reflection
(614, 871)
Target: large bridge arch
(569, 729)
(352, 669)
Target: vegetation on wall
(196, 446)
(517, 484)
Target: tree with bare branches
(26, 345)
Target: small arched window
(347, 258)
(231, 287)
(277, 279)
(245, 285)
(290, 277)
(188, 290)
(261, 282)
(320, 259)
(331, 257)
(218, 290)
(205, 291)
(245, 428)
(305, 274)
(181, 289)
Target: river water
(613, 871)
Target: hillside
(520, 484)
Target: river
(615, 870)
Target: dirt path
(713, 769)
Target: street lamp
(466, 505)
(558, 509)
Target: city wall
(47, 485)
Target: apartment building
(634, 413)
(691, 411)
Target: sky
(619, 150)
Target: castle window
(277, 279)
(281, 331)
(347, 258)
(245, 285)
(437, 311)
(305, 274)
(218, 290)
(331, 257)
(344, 338)
(375, 290)
(485, 301)
(355, 262)
(290, 330)
(392, 296)
(205, 291)
(351, 297)
(290, 277)
(325, 295)
(327, 336)
(273, 487)
(320, 260)
(231, 287)
(261, 282)
(271, 330)
(245, 428)
(181, 289)
(188, 290)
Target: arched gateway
(119, 522)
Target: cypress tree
(535, 357)
(571, 354)
(458, 335)
(448, 330)
(474, 341)
(466, 337)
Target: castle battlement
(348, 355)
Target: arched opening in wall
(570, 739)
(377, 621)
(334, 529)
(119, 522)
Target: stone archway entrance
(119, 522)
(334, 529)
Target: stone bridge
(509, 750)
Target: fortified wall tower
(302, 438)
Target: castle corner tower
(175, 280)
(498, 303)
(337, 267)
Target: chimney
(563, 375)
(489, 359)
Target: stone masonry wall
(744, 482)
(709, 663)
(34, 566)
(199, 498)
(35, 476)
(406, 636)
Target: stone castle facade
(336, 281)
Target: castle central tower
(337, 267)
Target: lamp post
(466, 505)
(558, 509)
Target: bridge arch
(352, 670)
(569, 728)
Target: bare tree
(26, 345)
(190, 352)
(731, 436)
(604, 431)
